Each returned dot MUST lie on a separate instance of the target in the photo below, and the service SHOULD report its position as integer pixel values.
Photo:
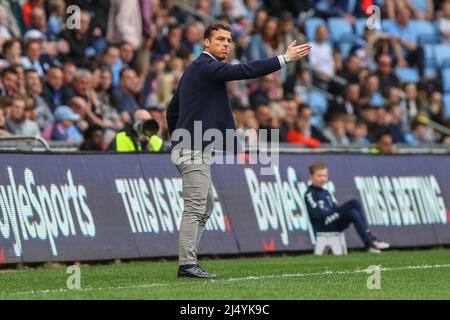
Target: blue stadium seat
(446, 80)
(311, 25)
(340, 29)
(386, 24)
(430, 57)
(345, 48)
(426, 31)
(447, 106)
(407, 75)
(442, 54)
(420, 4)
(360, 26)
(318, 102)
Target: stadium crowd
(360, 85)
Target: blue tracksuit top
(320, 204)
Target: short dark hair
(7, 70)
(316, 166)
(215, 27)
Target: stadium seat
(340, 29)
(407, 75)
(442, 54)
(446, 80)
(447, 106)
(430, 57)
(345, 47)
(330, 240)
(360, 26)
(386, 24)
(420, 4)
(318, 102)
(311, 25)
(426, 31)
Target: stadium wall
(83, 207)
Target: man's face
(18, 110)
(82, 85)
(126, 52)
(11, 82)
(385, 144)
(385, 65)
(130, 81)
(97, 139)
(319, 178)
(33, 83)
(34, 51)
(264, 115)
(55, 78)
(353, 93)
(219, 45)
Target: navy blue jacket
(320, 204)
(202, 94)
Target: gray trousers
(198, 198)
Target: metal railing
(31, 139)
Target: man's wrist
(286, 59)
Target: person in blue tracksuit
(327, 216)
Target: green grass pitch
(421, 274)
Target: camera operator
(139, 135)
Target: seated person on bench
(327, 216)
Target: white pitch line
(294, 275)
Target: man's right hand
(297, 52)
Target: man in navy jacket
(202, 100)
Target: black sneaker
(195, 272)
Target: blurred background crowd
(80, 79)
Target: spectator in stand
(321, 57)
(268, 43)
(396, 127)
(303, 131)
(27, 9)
(405, 44)
(64, 128)
(261, 94)
(168, 46)
(383, 144)
(42, 114)
(125, 22)
(4, 130)
(81, 41)
(123, 97)
(335, 131)
(193, 37)
(386, 74)
(371, 91)
(349, 104)
(53, 93)
(18, 121)
(12, 52)
(444, 21)
(9, 84)
(93, 139)
(266, 119)
(81, 84)
(359, 135)
(418, 134)
(34, 59)
(351, 72)
(425, 10)
(69, 68)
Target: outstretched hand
(296, 52)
